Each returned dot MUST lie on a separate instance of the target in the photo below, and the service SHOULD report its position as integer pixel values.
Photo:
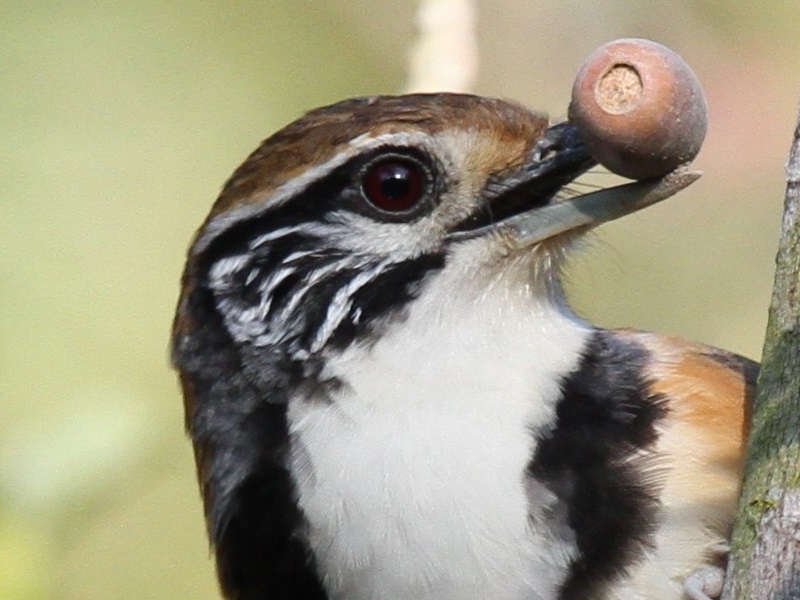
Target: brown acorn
(639, 107)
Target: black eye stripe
(338, 190)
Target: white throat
(412, 478)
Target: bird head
(331, 226)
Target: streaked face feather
(293, 264)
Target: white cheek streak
(342, 303)
(283, 324)
(254, 274)
(221, 271)
(316, 276)
(243, 324)
(279, 233)
(413, 477)
(294, 256)
(269, 286)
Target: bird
(389, 396)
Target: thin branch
(445, 55)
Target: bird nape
(389, 397)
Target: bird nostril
(558, 140)
(545, 149)
(547, 153)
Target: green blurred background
(120, 122)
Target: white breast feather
(412, 478)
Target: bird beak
(523, 208)
(590, 210)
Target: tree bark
(765, 547)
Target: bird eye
(394, 184)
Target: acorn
(639, 108)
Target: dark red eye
(394, 184)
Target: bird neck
(461, 336)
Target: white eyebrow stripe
(275, 234)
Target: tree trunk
(765, 547)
